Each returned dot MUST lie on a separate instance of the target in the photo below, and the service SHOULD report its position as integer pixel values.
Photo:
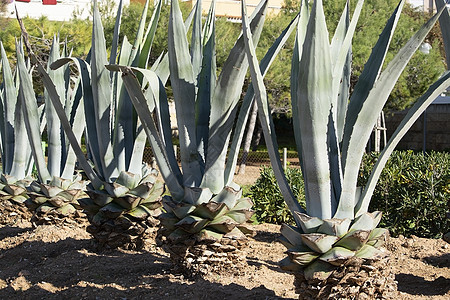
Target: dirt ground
(59, 262)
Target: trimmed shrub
(268, 202)
(413, 192)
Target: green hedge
(268, 202)
(413, 193)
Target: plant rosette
(335, 256)
(123, 213)
(206, 232)
(13, 194)
(56, 202)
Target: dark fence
(254, 158)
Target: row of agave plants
(120, 103)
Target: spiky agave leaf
(328, 238)
(123, 190)
(56, 180)
(220, 214)
(14, 190)
(107, 104)
(205, 207)
(17, 161)
(337, 213)
(16, 155)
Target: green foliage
(41, 31)
(268, 202)
(413, 192)
(3, 4)
(77, 32)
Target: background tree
(77, 32)
(41, 31)
(3, 4)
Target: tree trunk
(248, 137)
(259, 134)
(257, 137)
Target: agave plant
(53, 195)
(203, 226)
(124, 194)
(17, 161)
(335, 241)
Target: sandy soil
(60, 262)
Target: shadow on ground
(266, 237)
(70, 269)
(412, 284)
(10, 231)
(441, 261)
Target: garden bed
(59, 262)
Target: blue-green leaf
(246, 105)
(93, 177)
(206, 84)
(9, 96)
(165, 162)
(413, 114)
(224, 104)
(124, 124)
(54, 133)
(115, 42)
(344, 82)
(196, 41)
(183, 84)
(149, 36)
(101, 91)
(297, 54)
(139, 37)
(31, 117)
(264, 115)
(314, 100)
(356, 136)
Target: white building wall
(425, 5)
(416, 3)
(62, 11)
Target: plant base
(55, 218)
(197, 258)
(357, 279)
(11, 211)
(115, 234)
